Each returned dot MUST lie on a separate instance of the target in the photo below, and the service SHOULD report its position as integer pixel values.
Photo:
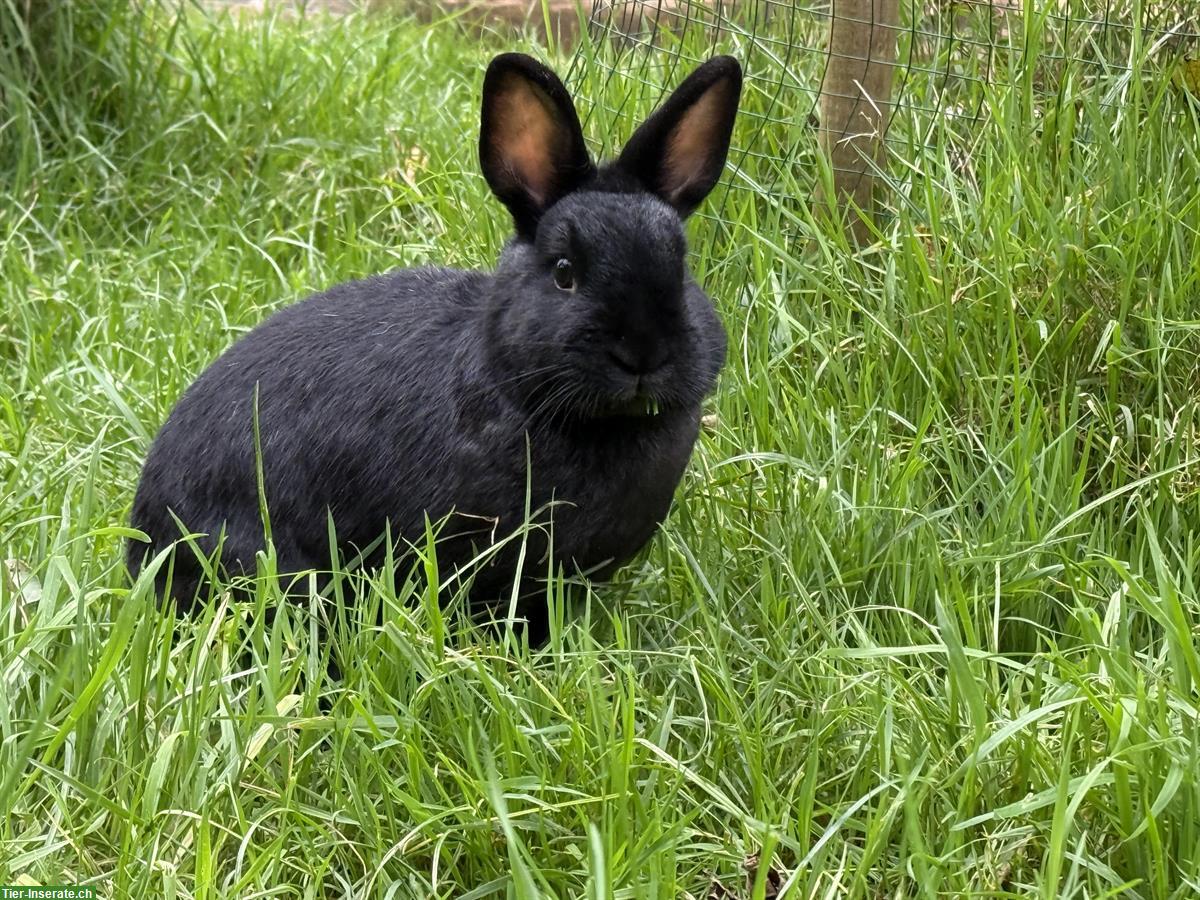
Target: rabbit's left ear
(679, 152)
(531, 147)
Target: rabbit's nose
(638, 358)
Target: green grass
(924, 619)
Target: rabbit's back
(354, 392)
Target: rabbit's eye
(564, 275)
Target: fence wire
(948, 54)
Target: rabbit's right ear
(531, 147)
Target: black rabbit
(570, 380)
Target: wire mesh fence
(939, 62)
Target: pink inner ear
(692, 141)
(525, 135)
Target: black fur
(443, 393)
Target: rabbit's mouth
(638, 405)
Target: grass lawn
(924, 619)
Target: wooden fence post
(855, 102)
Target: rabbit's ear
(531, 147)
(679, 152)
